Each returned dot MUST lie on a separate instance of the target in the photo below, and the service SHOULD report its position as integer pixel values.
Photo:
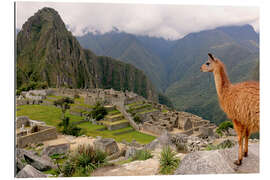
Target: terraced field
(118, 125)
(140, 108)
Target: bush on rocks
(83, 161)
(224, 126)
(168, 161)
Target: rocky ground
(220, 162)
(196, 159)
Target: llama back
(243, 103)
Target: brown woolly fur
(241, 103)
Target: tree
(68, 128)
(98, 112)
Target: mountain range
(174, 65)
(156, 68)
(48, 52)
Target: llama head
(210, 64)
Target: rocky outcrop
(30, 172)
(219, 162)
(56, 149)
(48, 52)
(41, 163)
(107, 145)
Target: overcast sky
(168, 21)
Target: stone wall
(46, 133)
(118, 126)
(157, 130)
(22, 120)
(121, 107)
(21, 102)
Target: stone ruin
(177, 122)
(110, 97)
(154, 122)
(107, 145)
(30, 131)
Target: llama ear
(211, 57)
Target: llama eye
(207, 63)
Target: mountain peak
(47, 52)
(46, 11)
(42, 17)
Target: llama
(239, 101)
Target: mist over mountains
(171, 65)
(174, 66)
(48, 53)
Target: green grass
(147, 111)
(115, 122)
(51, 115)
(53, 98)
(113, 112)
(124, 161)
(134, 104)
(79, 100)
(113, 116)
(140, 106)
(93, 130)
(164, 111)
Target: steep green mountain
(47, 51)
(175, 66)
(127, 48)
(194, 91)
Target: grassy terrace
(114, 115)
(147, 111)
(139, 106)
(53, 98)
(134, 104)
(114, 112)
(51, 115)
(115, 122)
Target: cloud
(168, 21)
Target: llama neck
(221, 80)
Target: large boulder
(219, 162)
(107, 145)
(130, 152)
(41, 163)
(227, 143)
(206, 131)
(56, 149)
(152, 145)
(30, 172)
(19, 164)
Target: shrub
(62, 101)
(211, 147)
(84, 161)
(31, 85)
(73, 130)
(142, 155)
(168, 162)
(68, 168)
(224, 126)
(137, 119)
(69, 129)
(76, 96)
(98, 112)
(255, 135)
